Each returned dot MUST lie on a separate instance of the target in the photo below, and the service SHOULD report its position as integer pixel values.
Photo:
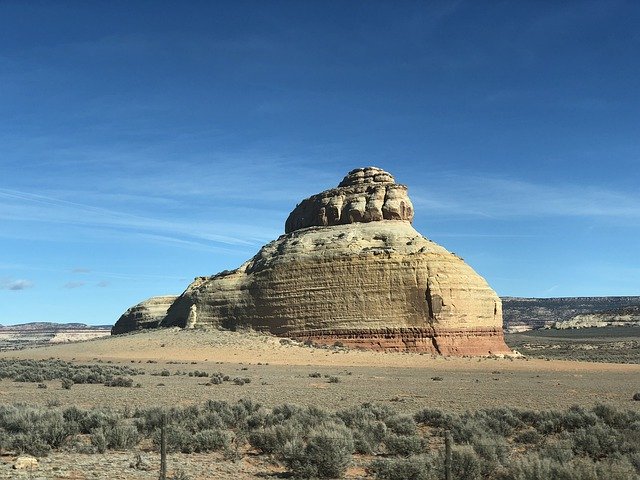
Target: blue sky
(145, 143)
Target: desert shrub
(38, 371)
(615, 418)
(333, 379)
(119, 382)
(210, 440)
(491, 448)
(99, 440)
(596, 442)
(636, 396)
(401, 424)
(528, 436)
(559, 450)
(434, 418)
(616, 469)
(273, 439)
(368, 435)
(325, 452)
(148, 419)
(404, 445)
(121, 436)
(465, 463)
(180, 475)
(319, 375)
(53, 429)
(29, 443)
(165, 373)
(411, 468)
(501, 421)
(534, 467)
(67, 383)
(179, 439)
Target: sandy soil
(279, 370)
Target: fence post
(447, 455)
(163, 447)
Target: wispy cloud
(74, 284)
(80, 270)
(8, 284)
(25, 206)
(102, 284)
(497, 197)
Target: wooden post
(447, 455)
(163, 447)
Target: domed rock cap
(365, 195)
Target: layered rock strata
(351, 269)
(365, 195)
(147, 314)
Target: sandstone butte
(350, 268)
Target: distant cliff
(541, 312)
(13, 337)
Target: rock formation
(350, 269)
(147, 314)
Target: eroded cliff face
(352, 269)
(147, 314)
(365, 195)
(372, 285)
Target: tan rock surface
(364, 195)
(147, 314)
(377, 285)
(351, 269)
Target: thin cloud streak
(15, 285)
(25, 206)
(495, 197)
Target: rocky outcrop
(351, 269)
(365, 195)
(147, 314)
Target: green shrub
(211, 440)
(404, 445)
(325, 452)
(368, 434)
(411, 468)
(465, 463)
(99, 440)
(67, 383)
(401, 424)
(119, 382)
(273, 439)
(30, 443)
(529, 436)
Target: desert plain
(283, 371)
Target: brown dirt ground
(279, 372)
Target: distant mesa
(349, 269)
